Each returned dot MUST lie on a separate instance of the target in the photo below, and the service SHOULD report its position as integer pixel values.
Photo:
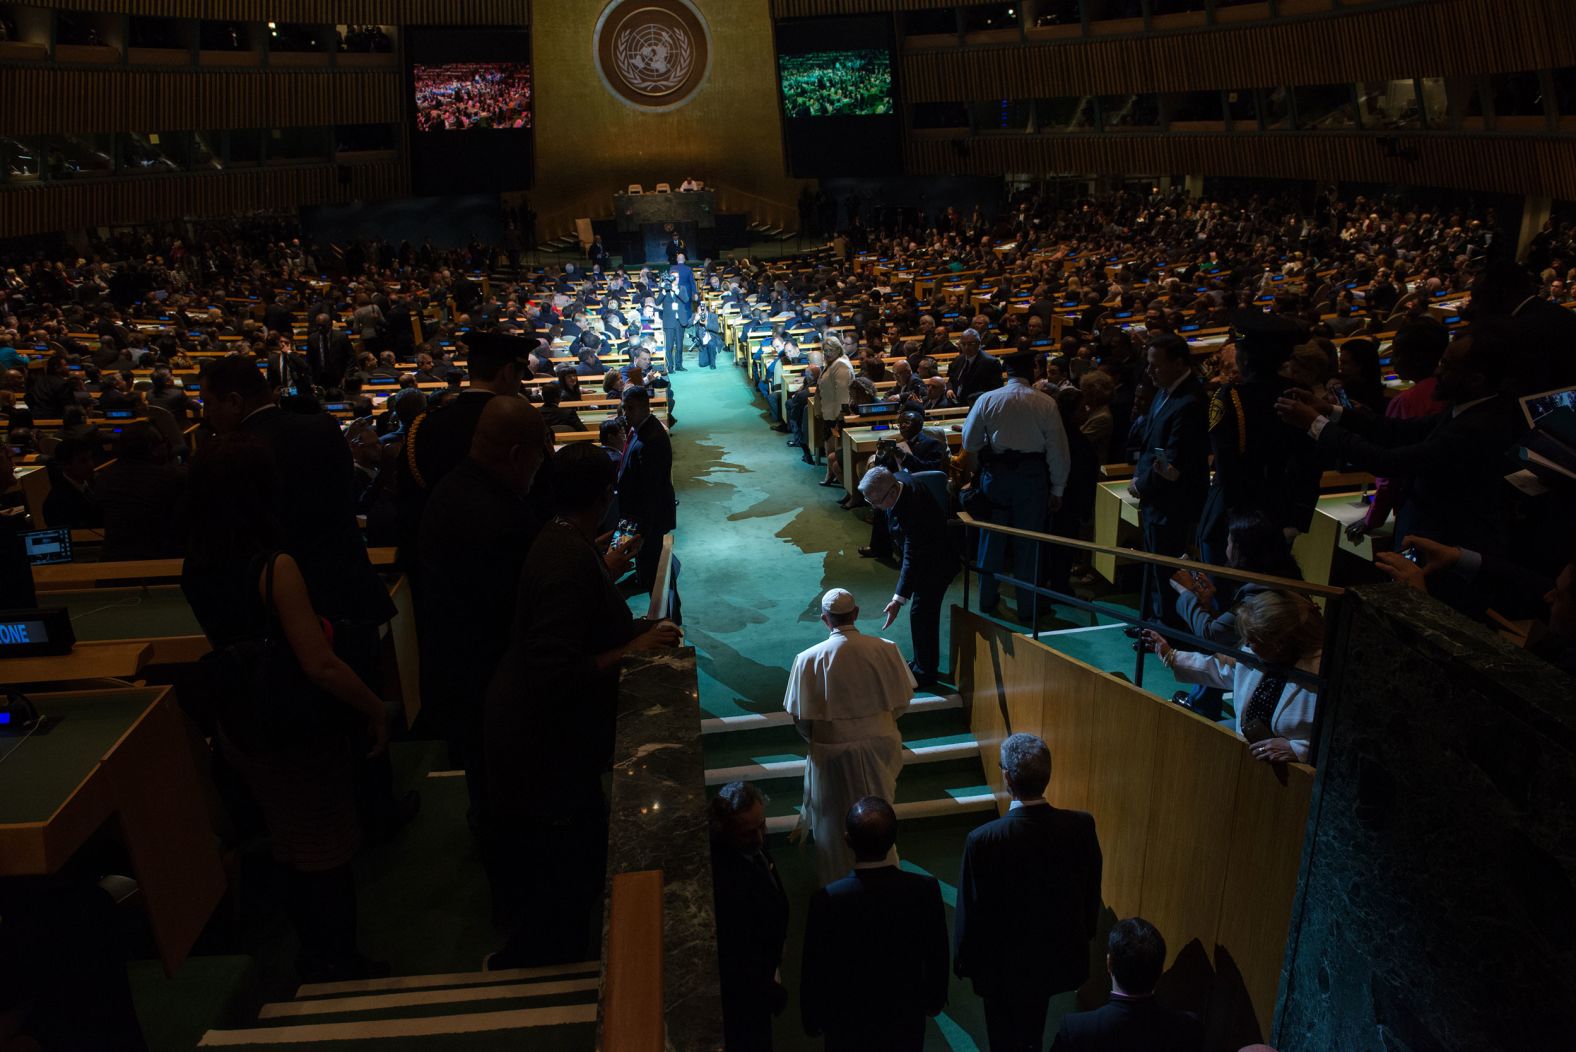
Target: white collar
(1039, 801)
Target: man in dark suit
(752, 917)
(917, 526)
(675, 319)
(973, 371)
(277, 316)
(645, 484)
(1030, 879)
(1171, 478)
(875, 946)
(328, 353)
(1132, 1019)
(1454, 461)
(476, 529)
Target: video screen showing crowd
(836, 83)
(464, 96)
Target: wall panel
(40, 100)
(1443, 38)
(1197, 837)
(349, 12)
(72, 206)
(1503, 163)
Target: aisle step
(413, 998)
(750, 721)
(448, 979)
(786, 767)
(579, 1016)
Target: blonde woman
(1274, 714)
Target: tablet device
(44, 547)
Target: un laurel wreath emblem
(652, 53)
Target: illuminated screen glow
(837, 83)
(466, 96)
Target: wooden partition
(632, 1010)
(1199, 838)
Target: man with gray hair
(845, 695)
(917, 526)
(973, 371)
(1030, 879)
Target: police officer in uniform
(1015, 435)
(1261, 463)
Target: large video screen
(836, 84)
(839, 96)
(462, 96)
(471, 110)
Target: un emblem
(652, 53)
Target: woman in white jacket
(1274, 714)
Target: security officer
(1261, 463)
(1015, 435)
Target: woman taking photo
(1274, 713)
(244, 590)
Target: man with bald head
(476, 529)
(875, 945)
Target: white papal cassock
(846, 695)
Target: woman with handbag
(286, 703)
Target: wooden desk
(860, 442)
(128, 755)
(86, 661)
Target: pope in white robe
(845, 696)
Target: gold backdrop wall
(589, 143)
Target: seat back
(664, 188)
(636, 188)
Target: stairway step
(423, 1027)
(750, 721)
(919, 752)
(412, 998)
(448, 979)
(981, 800)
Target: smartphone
(1344, 398)
(623, 532)
(1257, 731)
(1412, 555)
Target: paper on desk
(1527, 482)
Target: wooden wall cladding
(1543, 166)
(73, 206)
(823, 8)
(1198, 837)
(44, 100)
(1446, 37)
(323, 12)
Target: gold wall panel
(590, 143)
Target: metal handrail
(1318, 681)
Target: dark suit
(752, 923)
(973, 377)
(67, 506)
(1130, 1025)
(1178, 423)
(675, 319)
(929, 563)
(875, 960)
(1029, 879)
(925, 453)
(1454, 463)
(645, 493)
(139, 504)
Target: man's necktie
(1261, 707)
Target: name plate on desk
(33, 633)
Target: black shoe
(808, 459)
(780, 428)
(829, 482)
(795, 442)
(871, 553)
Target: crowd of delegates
(506, 543)
(837, 84)
(465, 95)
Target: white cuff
(900, 600)
(1318, 426)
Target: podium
(645, 220)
